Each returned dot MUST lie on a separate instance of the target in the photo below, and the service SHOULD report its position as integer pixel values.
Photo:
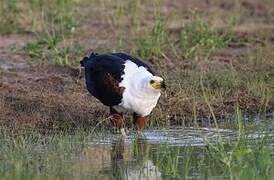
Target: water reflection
(177, 153)
(139, 167)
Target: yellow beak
(159, 85)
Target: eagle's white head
(156, 83)
(142, 89)
(148, 86)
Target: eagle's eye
(152, 81)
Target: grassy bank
(214, 49)
(216, 56)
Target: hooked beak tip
(163, 85)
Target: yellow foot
(140, 134)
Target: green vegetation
(50, 21)
(77, 154)
(152, 45)
(9, 15)
(46, 50)
(33, 155)
(233, 59)
(197, 36)
(38, 16)
(216, 56)
(212, 162)
(195, 39)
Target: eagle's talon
(123, 132)
(140, 134)
(115, 130)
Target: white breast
(136, 97)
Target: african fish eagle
(125, 84)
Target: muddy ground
(39, 94)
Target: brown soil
(42, 95)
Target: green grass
(198, 86)
(46, 50)
(247, 163)
(64, 154)
(152, 45)
(38, 16)
(198, 37)
(195, 39)
(58, 22)
(34, 155)
(9, 16)
(236, 158)
(51, 21)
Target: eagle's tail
(92, 55)
(88, 58)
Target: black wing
(110, 64)
(103, 75)
(135, 60)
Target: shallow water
(174, 152)
(171, 153)
(11, 66)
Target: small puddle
(11, 66)
(163, 153)
(174, 136)
(175, 152)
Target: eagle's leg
(117, 119)
(140, 122)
